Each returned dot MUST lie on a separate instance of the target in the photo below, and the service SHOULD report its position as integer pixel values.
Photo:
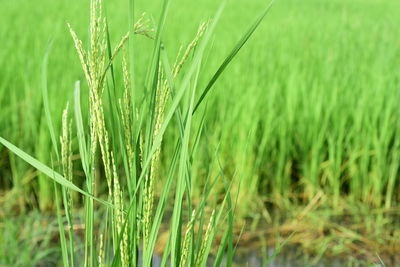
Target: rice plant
(120, 146)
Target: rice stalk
(202, 251)
(100, 258)
(187, 240)
(120, 217)
(126, 110)
(66, 150)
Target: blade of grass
(46, 100)
(232, 54)
(55, 147)
(63, 242)
(49, 172)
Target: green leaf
(45, 96)
(48, 171)
(232, 54)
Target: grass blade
(231, 55)
(48, 171)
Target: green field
(301, 132)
